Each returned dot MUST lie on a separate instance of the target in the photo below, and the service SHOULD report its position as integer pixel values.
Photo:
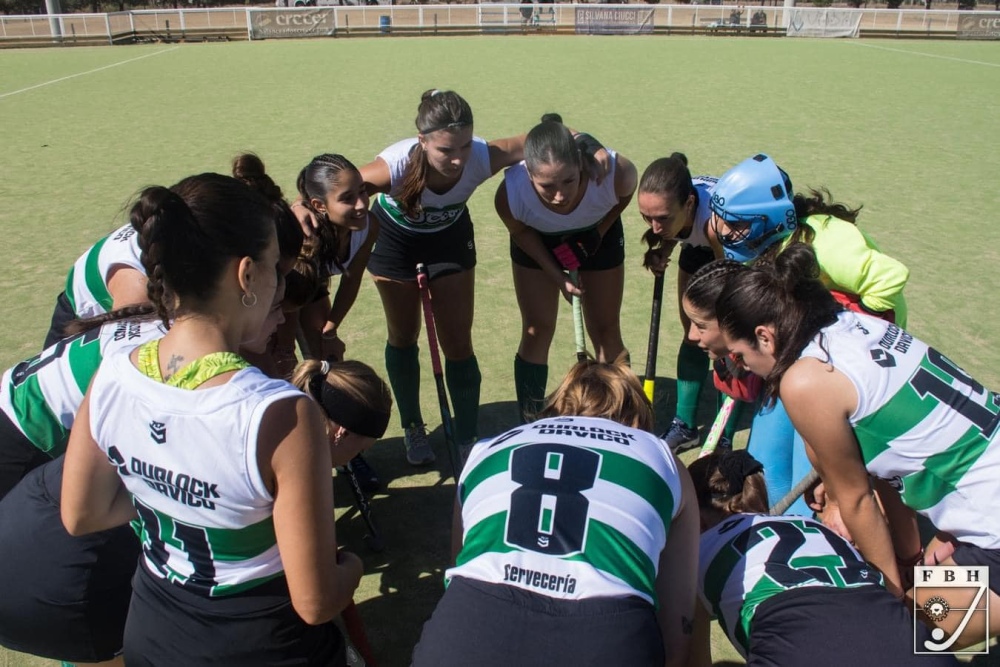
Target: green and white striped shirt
(922, 423)
(437, 210)
(41, 395)
(568, 507)
(748, 559)
(189, 459)
(87, 282)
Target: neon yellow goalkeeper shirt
(850, 261)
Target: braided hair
(190, 231)
(708, 282)
(314, 182)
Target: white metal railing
(486, 17)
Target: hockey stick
(356, 633)
(782, 505)
(578, 335)
(374, 537)
(718, 426)
(649, 383)
(423, 282)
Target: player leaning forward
(563, 214)
(575, 539)
(870, 399)
(227, 471)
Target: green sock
(464, 379)
(734, 417)
(403, 367)
(692, 367)
(529, 384)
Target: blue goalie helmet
(754, 209)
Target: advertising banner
(278, 24)
(979, 26)
(604, 20)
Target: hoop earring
(243, 299)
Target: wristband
(330, 335)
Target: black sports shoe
(680, 436)
(367, 477)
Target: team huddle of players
(169, 398)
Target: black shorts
(694, 257)
(168, 625)
(398, 251)
(831, 627)
(610, 255)
(492, 625)
(18, 456)
(62, 315)
(969, 554)
(64, 597)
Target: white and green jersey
(437, 211)
(41, 395)
(568, 507)
(527, 207)
(87, 282)
(749, 558)
(189, 459)
(922, 423)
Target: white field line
(71, 76)
(928, 55)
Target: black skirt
(64, 597)
(494, 625)
(170, 626)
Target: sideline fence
(269, 23)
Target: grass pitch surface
(906, 128)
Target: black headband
(347, 411)
(736, 466)
(449, 126)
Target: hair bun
(249, 169)
(679, 156)
(551, 118)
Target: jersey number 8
(548, 512)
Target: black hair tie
(736, 466)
